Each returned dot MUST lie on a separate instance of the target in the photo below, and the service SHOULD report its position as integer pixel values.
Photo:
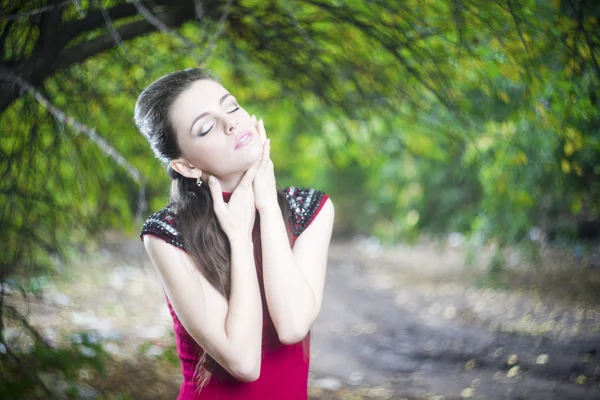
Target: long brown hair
(204, 240)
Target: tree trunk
(51, 53)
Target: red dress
(284, 368)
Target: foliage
(63, 363)
(488, 124)
(437, 115)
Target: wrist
(239, 242)
(269, 206)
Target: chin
(245, 162)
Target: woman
(241, 263)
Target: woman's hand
(237, 216)
(265, 189)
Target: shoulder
(163, 225)
(305, 204)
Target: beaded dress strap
(305, 204)
(162, 224)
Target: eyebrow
(204, 114)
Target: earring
(198, 182)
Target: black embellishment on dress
(304, 203)
(163, 225)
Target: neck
(229, 183)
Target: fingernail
(262, 122)
(211, 180)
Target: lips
(245, 138)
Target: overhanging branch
(91, 134)
(82, 51)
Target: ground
(398, 322)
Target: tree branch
(114, 33)
(217, 34)
(160, 25)
(27, 14)
(82, 51)
(517, 24)
(95, 19)
(8, 350)
(106, 148)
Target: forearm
(290, 298)
(243, 325)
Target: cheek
(200, 151)
(244, 118)
(209, 153)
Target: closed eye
(205, 129)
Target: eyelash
(208, 130)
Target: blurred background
(459, 141)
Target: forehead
(201, 96)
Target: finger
(266, 153)
(261, 130)
(264, 163)
(217, 196)
(256, 126)
(248, 177)
(268, 149)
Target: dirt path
(396, 323)
(416, 345)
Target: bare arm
(229, 332)
(294, 278)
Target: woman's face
(216, 136)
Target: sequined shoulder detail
(162, 225)
(305, 204)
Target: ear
(185, 168)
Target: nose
(231, 126)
